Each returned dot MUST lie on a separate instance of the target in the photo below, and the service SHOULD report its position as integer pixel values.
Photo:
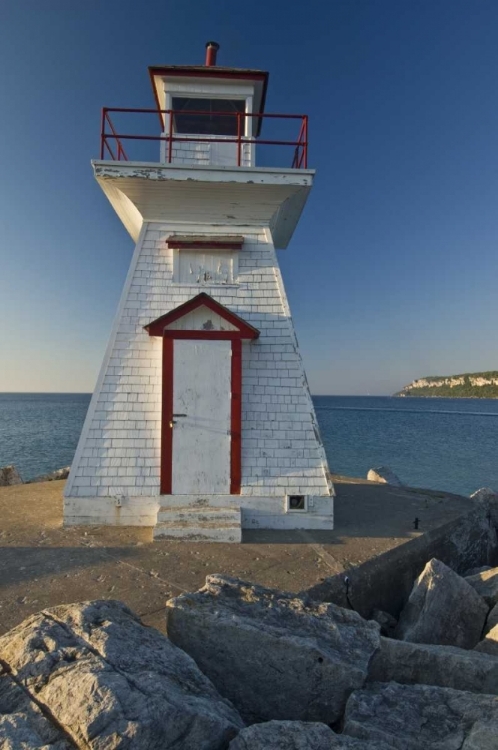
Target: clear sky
(393, 271)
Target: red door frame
(244, 331)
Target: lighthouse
(201, 423)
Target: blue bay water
(446, 444)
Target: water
(39, 432)
(446, 444)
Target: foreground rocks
(92, 676)
(108, 682)
(9, 476)
(273, 655)
(418, 717)
(385, 475)
(443, 608)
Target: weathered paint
(217, 196)
(201, 440)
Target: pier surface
(43, 564)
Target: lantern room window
(187, 121)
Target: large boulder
(420, 717)
(22, 724)
(385, 475)
(486, 585)
(443, 609)
(275, 656)
(442, 666)
(110, 682)
(298, 735)
(9, 476)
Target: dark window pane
(185, 121)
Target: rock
(489, 645)
(298, 735)
(492, 620)
(113, 683)
(419, 717)
(489, 499)
(9, 476)
(486, 585)
(443, 609)
(485, 493)
(275, 656)
(385, 475)
(22, 724)
(53, 476)
(386, 621)
(441, 666)
(475, 571)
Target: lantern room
(209, 115)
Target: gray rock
(419, 717)
(275, 656)
(298, 735)
(442, 609)
(9, 476)
(385, 475)
(492, 620)
(441, 666)
(386, 621)
(475, 571)
(485, 493)
(486, 585)
(489, 644)
(113, 683)
(22, 724)
(487, 498)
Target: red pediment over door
(202, 317)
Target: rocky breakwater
(249, 668)
(9, 476)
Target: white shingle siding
(119, 450)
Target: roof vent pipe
(211, 51)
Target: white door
(201, 438)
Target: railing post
(306, 141)
(102, 133)
(239, 143)
(170, 136)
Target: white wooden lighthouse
(201, 423)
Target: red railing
(111, 141)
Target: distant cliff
(469, 385)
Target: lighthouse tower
(201, 423)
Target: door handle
(173, 421)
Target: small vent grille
(297, 502)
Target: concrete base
(199, 524)
(252, 513)
(110, 511)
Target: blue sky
(392, 273)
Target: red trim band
(166, 419)
(236, 419)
